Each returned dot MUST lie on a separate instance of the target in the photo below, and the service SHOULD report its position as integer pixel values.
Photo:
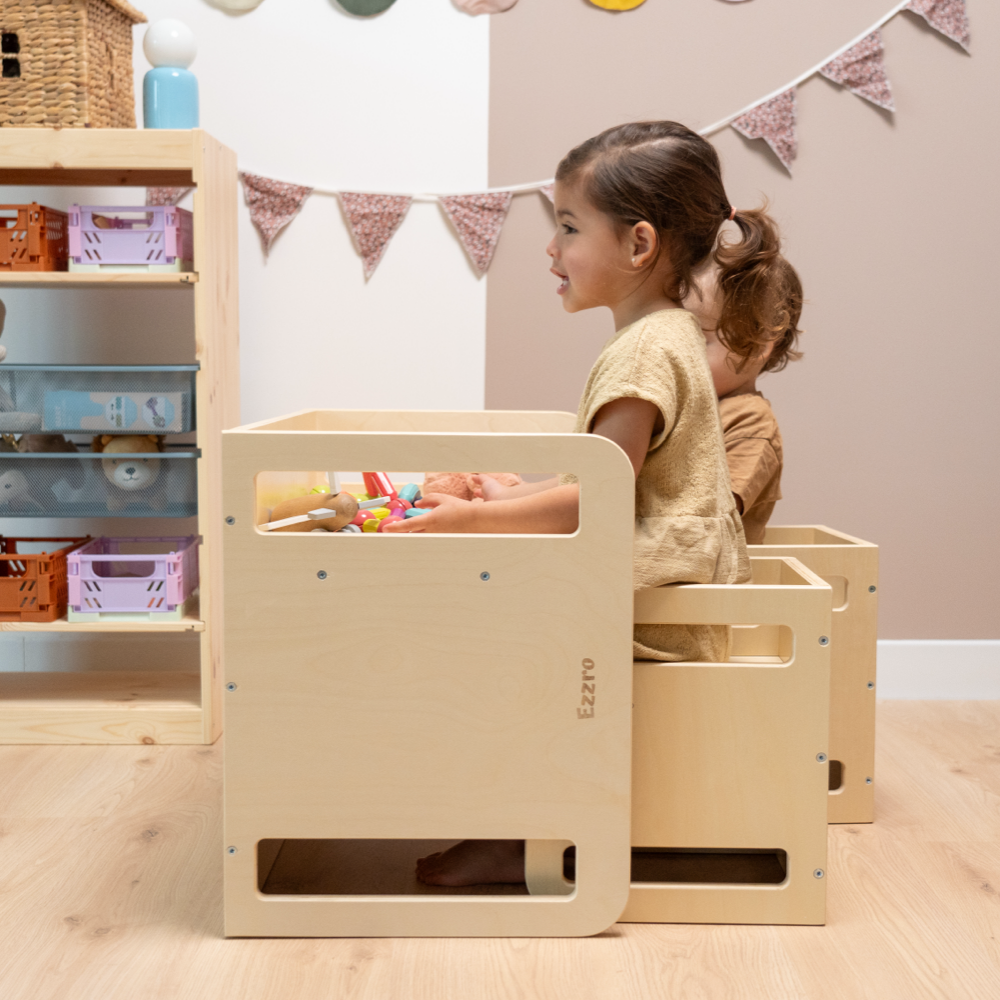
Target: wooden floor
(111, 869)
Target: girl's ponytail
(751, 286)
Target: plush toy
(44, 444)
(37, 486)
(132, 480)
(460, 484)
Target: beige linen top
(687, 528)
(754, 454)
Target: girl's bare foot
(474, 862)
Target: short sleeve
(753, 466)
(637, 366)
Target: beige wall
(891, 423)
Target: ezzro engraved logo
(588, 691)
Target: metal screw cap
(321, 575)
(818, 873)
(871, 589)
(821, 757)
(871, 685)
(230, 851)
(231, 686)
(824, 640)
(868, 781)
(484, 576)
(230, 519)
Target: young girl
(639, 209)
(749, 429)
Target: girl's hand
(446, 514)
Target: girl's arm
(630, 423)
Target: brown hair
(788, 311)
(665, 174)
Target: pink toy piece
(399, 504)
(378, 484)
(388, 520)
(362, 516)
(155, 234)
(103, 579)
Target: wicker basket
(67, 63)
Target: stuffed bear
(132, 480)
(37, 486)
(460, 484)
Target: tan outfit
(753, 451)
(687, 528)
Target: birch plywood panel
(851, 566)
(387, 689)
(725, 755)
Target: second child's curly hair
(788, 312)
(667, 175)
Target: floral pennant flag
(861, 69)
(166, 196)
(374, 219)
(947, 16)
(478, 219)
(272, 204)
(774, 122)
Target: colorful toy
(410, 493)
(169, 89)
(306, 513)
(388, 520)
(416, 511)
(378, 484)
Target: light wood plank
(191, 622)
(112, 890)
(68, 279)
(100, 707)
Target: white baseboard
(959, 669)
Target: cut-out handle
(543, 867)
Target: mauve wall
(891, 421)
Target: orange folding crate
(33, 238)
(33, 585)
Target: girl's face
(588, 253)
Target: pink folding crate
(150, 579)
(133, 238)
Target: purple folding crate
(137, 238)
(126, 578)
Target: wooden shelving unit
(63, 279)
(143, 706)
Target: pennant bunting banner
(947, 16)
(273, 204)
(478, 219)
(774, 122)
(374, 219)
(861, 70)
(166, 196)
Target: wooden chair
(850, 566)
(387, 694)
(729, 791)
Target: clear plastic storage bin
(89, 484)
(133, 578)
(97, 399)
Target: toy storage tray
(130, 238)
(97, 399)
(89, 484)
(33, 584)
(32, 238)
(150, 579)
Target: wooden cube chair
(729, 791)
(390, 693)
(850, 566)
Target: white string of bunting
(478, 216)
